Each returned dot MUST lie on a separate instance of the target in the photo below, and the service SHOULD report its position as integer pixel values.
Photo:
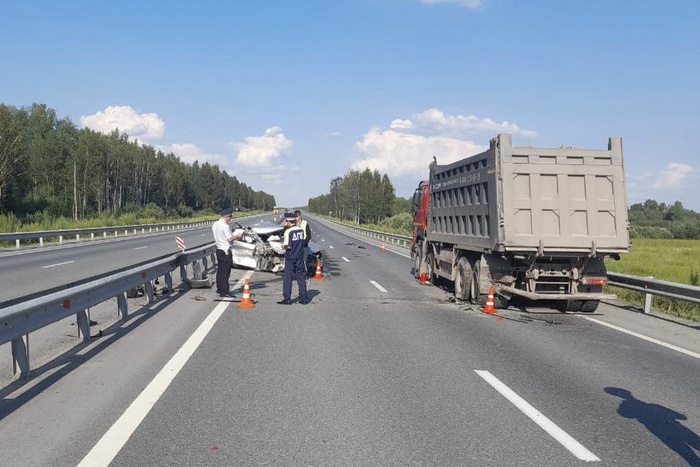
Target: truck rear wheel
(474, 289)
(416, 264)
(571, 305)
(430, 267)
(589, 306)
(585, 306)
(463, 279)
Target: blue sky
(288, 94)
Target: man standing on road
(301, 223)
(224, 262)
(294, 267)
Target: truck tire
(463, 279)
(416, 264)
(584, 306)
(571, 305)
(589, 306)
(474, 291)
(430, 267)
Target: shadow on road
(662, 422)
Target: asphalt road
(377, 370)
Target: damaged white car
(261, 248)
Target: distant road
(31, 270)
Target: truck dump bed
(526, 199)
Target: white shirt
(222, 234)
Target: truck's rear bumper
(546, 296)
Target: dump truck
(531, 222)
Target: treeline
(363, 197)
(50, 168)
(659, 220)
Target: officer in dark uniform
(307, 235)
(294, 260)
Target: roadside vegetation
(673, 260)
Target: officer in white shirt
(223, 237)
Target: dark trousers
(294, 269)
(224, 263)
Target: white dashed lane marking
(57, 264)
(576, 448)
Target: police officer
(294, 260)
(223, 237)
(307, 234)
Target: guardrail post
(122, 306)
(41, 241)
(17, 243)
(648, 298)
(183, 273)
(169, 282)
(200, 278)
(83, 325)
(148, 287)
(20, 356)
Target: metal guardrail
(650, 286)
(647, 285)
(115, 230)
(19, 319)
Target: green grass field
(669, 260)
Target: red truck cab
(420, 215)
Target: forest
(49, 168)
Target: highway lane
(377, 370)
(32, 270)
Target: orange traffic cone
(246, 302)
(382, 247)
(489, 307)
(422, 276)
(319, 274)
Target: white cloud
(674, 176)
(262, 151)
(394, 153)
(189, 153)
(409, 145)
(473, 4)
(142, 126)
(436, 120)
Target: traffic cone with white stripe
(246, 302)
(490, 306)
(319, 273)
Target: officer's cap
(226, 212)
(289, 216)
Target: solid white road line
(576, 448)
(345, 259)
(646, 338)
(57, 264)
(116, 437)
(141, 248)
(379, 287)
